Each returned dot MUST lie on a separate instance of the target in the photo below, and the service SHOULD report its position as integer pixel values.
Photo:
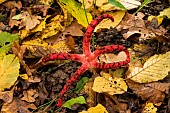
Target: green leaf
(80, 84)
(116, 3)
(9, 71)
(79, 100)
(75, 9)
(145, 2)
(6, 40)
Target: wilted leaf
(155, 68)
(165, 12)
(6, 96)
(110, 58)
(28, 20)
(81, 84)
(75, 9)
(30, 95)
(78, 100)
(6, 40)
(91, 99)
(152, 92)
(53, 27)
(98, 109)
(107, 23)
(149, 108)
(111, 86)
(9, 71)
(145, 2)
(17, 106)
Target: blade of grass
(145, 2)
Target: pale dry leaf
(155, 68)
(30, 95)
(110, 57)
(111, 86)
(107, 23)
(28, 20)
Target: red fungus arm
(89, 31)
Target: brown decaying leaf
(132, 25)
(17, 106)
(6, 96)
(91, 99)
(152, 92)
(30, 95)
(19, 52)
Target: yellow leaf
(9, 71)
(159, 19)
(107, 23)
(46, 2)
(39, 27)
(61, 46)
(87, 3)
(155, 68)
(75, 9)
(111, 86)
(1, 1)
(149, 108)
(98, 109)
(24, 76)
(23, 33)
(165, 12)
(53, 27)
(36, 42)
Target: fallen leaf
(17, 106)
(9, 71)
(165, 12)
(87, 3)
(111, 86)
(80, 84)
(30, 95)
(149, 108)
(53, 27)
(91, 99)
(98, 109)
(152, 92)
(46, 2)
(107, 23)
(6, 40)
(158, 19)
(75, 9)
(78, 100)
(6, 96)
(28, 20)
(110, 57)
(155, 68)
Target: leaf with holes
(6, 40)
(155, 68)
(111, 86)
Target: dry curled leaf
(155, 68)
(152, 92)
(30, 95)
